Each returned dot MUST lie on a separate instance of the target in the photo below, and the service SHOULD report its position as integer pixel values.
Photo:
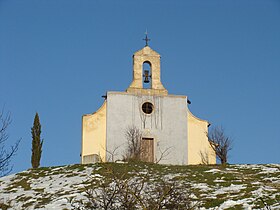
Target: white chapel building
(165, 122)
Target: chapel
(170, 133)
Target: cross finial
(146, 38)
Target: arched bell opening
(147, 75)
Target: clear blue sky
(58, 58)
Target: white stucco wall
(167, 124)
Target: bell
(146, 76)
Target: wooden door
(147, 149)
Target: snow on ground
(57, 188)
(214, 170)
(231, 188)
(202, 186)
(230, 203)
(267, 170)
(53, 188)
(219, 180)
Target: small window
(147, 107)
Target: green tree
(37, 143)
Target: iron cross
(146, 39)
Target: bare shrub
(133, 136)
(123, 191)
(163, 154)
(112, 154)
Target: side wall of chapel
(199, 149)
(94, 136)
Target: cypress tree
(37, 143)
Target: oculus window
(147, 107)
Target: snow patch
(231, 188)
(201, 186)
(214, 170)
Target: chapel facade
(164, 120)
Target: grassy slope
(211, 186)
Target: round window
(147, 107)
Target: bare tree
(134, 137)
(220, 143)
(163, 154)
(6, 155)
(111, 154)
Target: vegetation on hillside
(204, 187)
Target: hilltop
(203, 187)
